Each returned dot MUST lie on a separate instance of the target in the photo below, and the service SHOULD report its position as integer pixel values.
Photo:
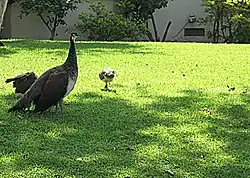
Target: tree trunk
(166, 31)
(3, 6)
(149, 34)
(52, 34)
(51, 27)
(155, 28)
(53, 31)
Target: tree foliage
(51, 12)
(142, 11)
(105, 25)
(10, 2)
(230, 20)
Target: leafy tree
(241, 20)
(51, 12)
(230, 20)
(105, 25)
(142, 11)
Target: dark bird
(22, 82)
(107, 75)
(53, 85)
(230, 88)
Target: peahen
(22, 82)
(53, 85)
(107, 75)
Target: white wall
(178, 12)
(32, 27)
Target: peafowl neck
(71, 61)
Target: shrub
(105, 25)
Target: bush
(105, 25)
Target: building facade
(182, 14)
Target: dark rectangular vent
(194, 32)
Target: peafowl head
(73, 36)
(108, 74)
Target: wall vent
(194, 32)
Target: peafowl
(107, 75)
(22, 82)
(53, 85)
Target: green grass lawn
(172, 112)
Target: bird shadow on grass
(102, 136)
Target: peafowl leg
(56, 107)
(106, 86)
(61, 107)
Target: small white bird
(107, 75)
(245, 91)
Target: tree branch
(166, 31)
(55, 23)
(44, 21)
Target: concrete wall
(178, 12)
(32, 27)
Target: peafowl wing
(53, 91)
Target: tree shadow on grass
(35, 44)
(97, 137)
(226, 128)
(58, 47)
(102, 136)
(5, 52)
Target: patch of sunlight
(8, 160)
(92, 158)
(195, 134)
(150, 152)
(38, 171)
(126, 172)
(55, 134)
(70, 131)
(58, 133)
(222, 159)
(157, 131)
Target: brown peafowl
(22, 82)
(53, 85)
(107, 75)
